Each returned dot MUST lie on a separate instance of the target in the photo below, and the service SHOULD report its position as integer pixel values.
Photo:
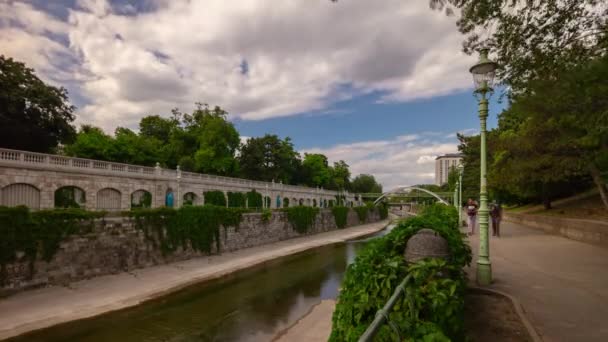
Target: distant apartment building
(443, 164)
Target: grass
(588, 208)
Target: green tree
(340, 176)
(154, 126)
(316, 170)
(557, 134)
(34, 116)
(217, 140)
(269, 158)
(92, 143)
(365, 183)
(532, 39)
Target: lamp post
(456, 196)
(460, 170)
(483, 76)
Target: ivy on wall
(39, 233)
(197, 227)
(340, 216)
(383, 210)
(215, 197)
(266, 215)
(362, 213)
(301, 218)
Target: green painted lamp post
(483, 76)
(460, 170)
(456, 196)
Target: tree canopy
(34, 116)
(531, 39)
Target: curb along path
(37, 309)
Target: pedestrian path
(562, 284)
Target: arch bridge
(409, 192)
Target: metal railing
(382, 314)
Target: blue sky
(364, 119)
(381, 85)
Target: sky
(382, 85)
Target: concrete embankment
(36, 309)
(588, 231)
(314, 326)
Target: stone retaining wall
(116, 245)
(589, 231)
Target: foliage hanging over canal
(340, 216)
(301, 218)
(38, 233)
(362, 212)
(197, 227)
(433, 306)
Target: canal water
(250, 305)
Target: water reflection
(252, 305)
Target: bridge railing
(16, 158)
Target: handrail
(382, 314)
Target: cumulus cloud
(300, 56)
(403, 160)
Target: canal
(250, 305)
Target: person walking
(496, 214)
(472, 208)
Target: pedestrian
(496, 214)
(472, 213)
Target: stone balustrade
(32, 179)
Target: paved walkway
(41, 308)
(562, 284)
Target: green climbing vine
(362, 213)
(266, 215)
(301, 218)
(236, 199)
(215, 197)
(38, 234)
(383, 210)
(340, 216)
(197, 227)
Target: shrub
(215, 197)
(254, 199)
(340, 216)
(236, 199)
(433, 305)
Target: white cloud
(300, 55)
(394, 162)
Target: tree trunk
(597, 179)
(546, 197)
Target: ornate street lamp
(483, 76)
